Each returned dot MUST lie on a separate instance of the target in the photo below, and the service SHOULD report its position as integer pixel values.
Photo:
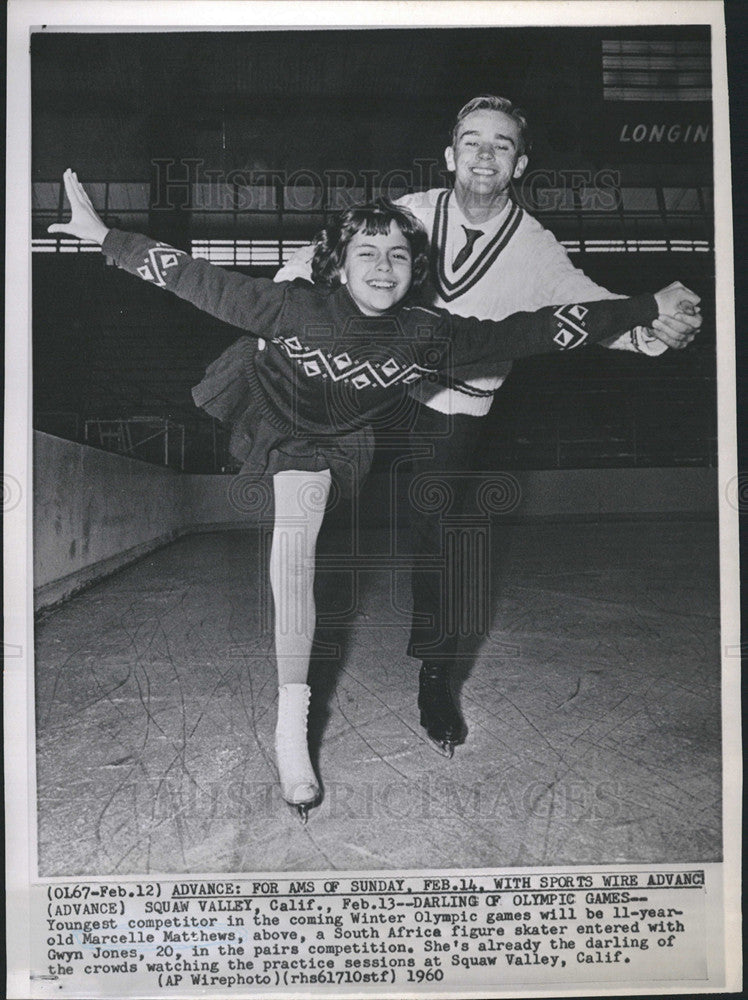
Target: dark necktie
(472, 235)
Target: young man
(489, 258)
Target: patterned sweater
(327, 367)
(517, 265)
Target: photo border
(167, 15)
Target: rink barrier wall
(96, 512)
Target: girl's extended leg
(300, 500)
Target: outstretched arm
(563, 328)
(251, 304)
(558, 280)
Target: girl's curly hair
(372, 218)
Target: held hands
(85, 222)
(680, 317)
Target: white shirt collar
(489, 228)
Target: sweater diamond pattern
(340, 368)
(160, 258)
(571, 331)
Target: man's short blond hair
(490, 102)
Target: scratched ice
(593, 714)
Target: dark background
(280, 109)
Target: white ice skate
(299, 786)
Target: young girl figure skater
(319, 363)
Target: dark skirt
(264, 442)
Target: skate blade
(301, 809)
(443, 747)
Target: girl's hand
(85, 222)
(680, 316)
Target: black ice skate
(440, 716)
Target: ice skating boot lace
(299, 786)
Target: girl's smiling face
(377, 269)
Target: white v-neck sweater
(516, 266)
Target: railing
(260, 226)
(125, 435)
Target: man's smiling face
(486, 155)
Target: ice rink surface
(593, 714)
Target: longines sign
(658, 132)
(675, 133)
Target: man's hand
(680, 317)
(85, 223)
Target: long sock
(300, 499)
